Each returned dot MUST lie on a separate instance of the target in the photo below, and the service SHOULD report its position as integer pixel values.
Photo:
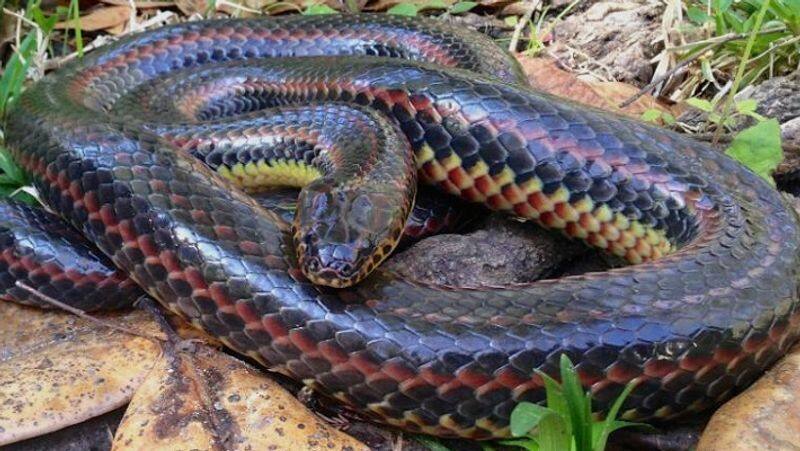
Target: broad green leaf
(433, 4)
(697, 15)
(462, 7)
(554, 394)
(700, 104)
(746, 106)
(721, 6)
(553, 435)
(318, 9)
(668, 118)
(651, 115)
(404, 9)
(525, 417)
(758, 147)
(511, 21)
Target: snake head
(342, 233)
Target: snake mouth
(332, 265)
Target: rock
(777, 98)
(765, 417)
(790, 132)
(677, 438)
(504, 252)
(618, 36)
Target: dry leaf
(57, 369)
(765, 417)
(100, 19)
(199, 398)
(190, 7)
(545, 75)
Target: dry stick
(512, 46)
(712, 44)
(80, 313)
(666, 75)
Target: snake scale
(145, 145)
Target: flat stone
(764, 417)
(503, 252)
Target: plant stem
(737, 80)
(523, 21)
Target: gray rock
(777, 98)
(503, 252)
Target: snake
(145, 152)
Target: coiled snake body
(712, 302)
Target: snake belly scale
(712, 302)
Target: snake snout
(331, 264)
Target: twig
(666, 75)
(533, 4)
(132, 26)
(80, 313)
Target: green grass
(566, 423)
(32, 48)
(720, 31)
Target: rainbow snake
(147, 147)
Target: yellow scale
(620, 236)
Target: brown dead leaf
(189, 7)
(199, 398)
(99, 19)
(765, 417)
(57, 369)
(545, 75)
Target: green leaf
(318, 9)
(527, 443)
(433, 4)
(746, 106)
(758, 147)
(553, 435)
(23, 196)
(697, 15)
(432, 443)
(525, 417)
(511, 21)
(554, 394)
(15, 71)
(721, 6)
(652, 115)
(700, 104)
(404, 9)
(668, 118)
(609, 425)
(462, 7)
(579, 411)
